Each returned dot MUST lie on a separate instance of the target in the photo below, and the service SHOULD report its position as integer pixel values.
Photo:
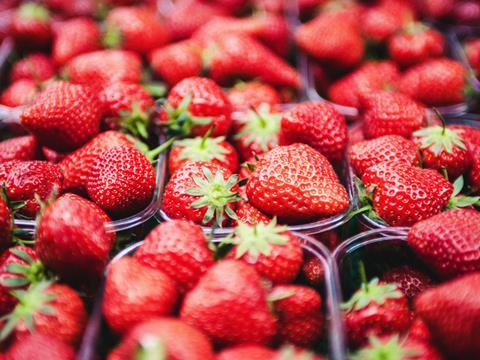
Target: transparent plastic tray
(457, 37)
(98, 335)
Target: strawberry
(245, 95)
(448, 242)
(6, 224)
(226, 61)
(201, 192)
(214, 150)
(20, 148)
(472, 52)
(296, 184)
(386, 148)
(437, 9)
(377, 308)
(64, 116)
(436, 82)
(31, 26)
(74, 37)
(371, 76)
(165, 336)
(122, 181)
(386, 113)
(135, 28)
(75, 8)
(251, 352)
(272, 250)
(470, 135)
(415, 44)
(331, 39)
(233, 6)
(403, 194)
(419, 330)
(134, 292)
(299, 309)
(19, 93)
(105, 66)
(177, 61)
(193, 106)
(317, 124)
(248, 214)
(39, 346)
(36, 67)
(313, 271)
(474, 174)
(72, 241)
(451, 312)
(409, 281)
(229, 305)
(50, 309)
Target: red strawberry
(36, 67)
(6, 225)
(64, 116)
(170, 337)
(448, 242)
(386, 148)
(72, 241)
(19, 148)
(19, 93)
(177, 61)
(296, 184)
(135, 28)
(317, 124)
(122, 180)
(409, 281)
(134, 292)
(73, 8)
(405, 194)
(436, 82)
(299, 309)
(248, 214)
(313, 271)
(437, 9)
(472, 51)
(246, 95)
(52, 155)
(376, 309)
(31, 25)
(229, 305)
(242, 352)
(201, 192)
(74, 37)
(470, 135)
(452, 312)
(53, 310)
(194, 105)
(386, 113)
(419, 330)
(39, 346)
(272, 250)
(474, 174)
(179, 249)
(105, 66)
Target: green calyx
(112, 37)
(458, 200)
(135, 121)
(371, 292)
(202, 148)
(260, 126)
(439, 138)
(365, 199)
(257, 239)
(215, 193)
(31, 273)
(391, 349)
(34, 11)
(413, 28)
(150, 348)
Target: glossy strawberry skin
(19, 148)
(40, 346)
(248, 214)
(409, 281)
(19, 93)
(37, 67)
(253, 93)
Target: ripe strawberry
(122, 181)
(437, 9)
(20, 148)
(317, 124)
(72, 241)
(74, 8)
(248, 214)
(64, 116)
(404, 194)
(474, 174)
(332, 39)
(242, 352)
(272, 250)
(386, 113)
(74, 37)
(386, 148)
(226, 61)
(134, 292)
(371, 76)
(50, 309)
(419, 330)
(470, 135)
(229, 305)
(296, 184)
(448, 242)
(452, 312)
(165, 336)
(31, 26)
(436, 82)
(313, 271)
(6, 225)
(472, 51)
(39, 346)
(36, 67)
(246, 95)
(409, 281)
(177, 61)
(19, 93)
(135, 28)
(375, 309)
(105, 66)
(193, 106)
(299, 309)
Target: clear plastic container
(98, 340)
(457, 37)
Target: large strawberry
(448, 242)
(296, 184)
(19, 93)
(19, 148)
(31, 25)
(246, 95)
(64, 116)
(317, 124)
(37, 67)
(40, 346)
(410, 281)
(229, 304)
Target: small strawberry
(242, 352)
(248, 214)
(36, 67)
(20, 148)
(472, 52)
(40, 346)
(246, 95)
(313, 271)
(31, 26)
(19, 93)
(229, 304)
(409, 281)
